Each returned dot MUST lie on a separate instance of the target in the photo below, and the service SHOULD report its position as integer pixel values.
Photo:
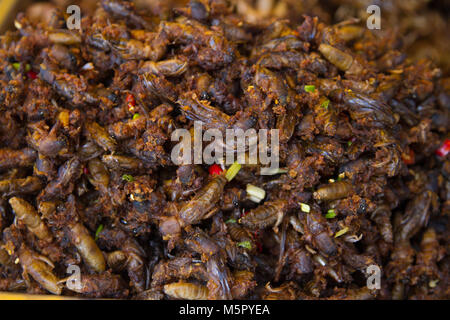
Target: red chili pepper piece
(131, 102)
(444, 149)
(130, 99)
(215, 169)
(85, 170)
(31, 74)
(409, 157)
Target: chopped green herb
(97, 233)
(349, 143)
(341, 232)
(304, 207)
(231, 221)
(433, 283)
(330, 214)
(16, 65)
(255, 193)
(272, 171)
(27, 67)
(128, 178)
(136, 116)
(310, 88)
(232, 171)
(245, 244)
(325, 104)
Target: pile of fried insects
(87, 179)
(421, 24)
